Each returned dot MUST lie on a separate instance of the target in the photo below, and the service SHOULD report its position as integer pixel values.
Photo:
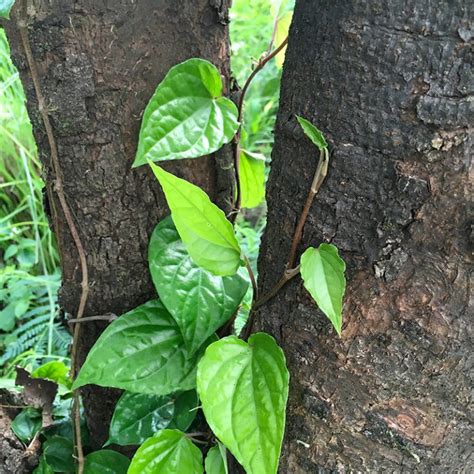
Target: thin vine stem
(59, 189)
(290, 272)
(240, 109)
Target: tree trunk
(389, 82)
(99, 63)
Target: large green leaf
(187, 116)
(208, 236)
(138, 416)
(199, 301)
(43, 467)
(106, 461)
(322, 271)
(243, 389)
(313, 133)
(252, 179)
(168, 452)
(5, 7)
(142, 351)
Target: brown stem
(102, 317)
(58, 187)
(319, 175)
(290, 272)
(252, 278)
(260, 65)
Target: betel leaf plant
(166, 353)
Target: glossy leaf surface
(139, 416)
(313, 133)
(252, 179)
(322, 271)
(43, 467)
(243, 389)
(106, 461)
(208, 236)
(26, 424)
(58, 453)
(187, 116)
(168, 452)
(143, 351)
(199, 301)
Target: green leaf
(43, 467)
(7, 317)
(252, 179)
(283, 28)
(55, 371)
(143, 351)
(243, 389)
(5, 7)
(314, 134)
(199, 301)
(138, 416)
(322, 271)
(187, 116)
(207, 234)
(214, 462)
(58, 453)
(168, 452)
(106, 461)
(26, 424)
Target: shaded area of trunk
(99, 63)
(389, 83)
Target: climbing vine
(181, 352)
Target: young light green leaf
(5, 7)
(314, 134)
(322, 271)
(208, 236)
(168, 452)
(283, 28)
(138, 416)
(199, 301)
(243, 389)
(56, 371)
(106, 461)
(252, 179)
(26, 424)
(142, 351)
(187, 116)
(214, 463)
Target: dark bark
(388, 81)
(99, 63)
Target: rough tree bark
(389, 82)
(99, 63)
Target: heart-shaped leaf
(58, 453)
(199, 301)
(142, 351)
(313, 133)
(106, 461)
(252, 179)
(139, 416)
(208, 236)
(170, 452)
(243, 389)
(322, 271)
(187, 116)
